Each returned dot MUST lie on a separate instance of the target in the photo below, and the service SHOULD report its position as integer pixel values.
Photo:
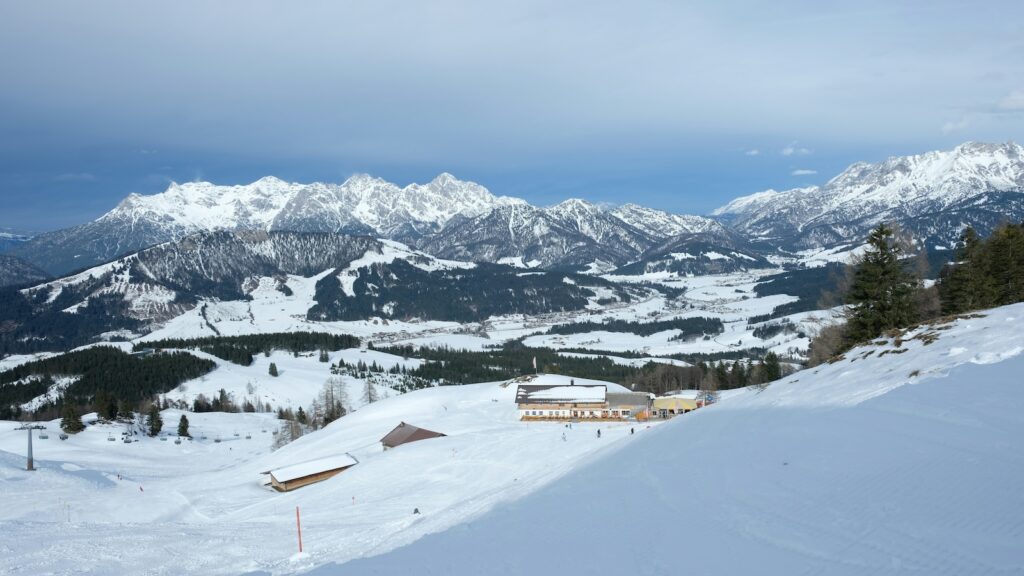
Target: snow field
(207, 511)
(856, 468)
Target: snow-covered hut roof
(303, 469)
(560, 394)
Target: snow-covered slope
(900, 458)
(663, 224)
(200, 507)
(933, 195)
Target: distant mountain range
(932, 195)
(9, 240)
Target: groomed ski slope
(907, 463)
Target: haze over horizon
(677, 108)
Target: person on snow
(598, 432)
(563, 436)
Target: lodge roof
(560, 393)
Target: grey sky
(658, 102)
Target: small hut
(299, 475)
(406, 433)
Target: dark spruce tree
(70, 421)
(882, 290)
(183, 426)
(986, 273)
(154, 421)
(967, 283)
(772, 368)
(273, 369)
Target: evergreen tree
(300, 416)
(183, 426)
(105, 405)
(881, 294)
(154, 421)
(772, 367)
(273, 369)
(70, 421)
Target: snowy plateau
(900, 458)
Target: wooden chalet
(299, 475)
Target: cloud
(752, 152)
(803, 172)
(955, 126)
(1012, 102)
(75, 177)
(794, 150)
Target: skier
(631, 431)
(415, 510)
(563, 436)
(598, 432)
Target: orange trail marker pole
(298, 527)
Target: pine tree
(70, 421)
(183, 426)
(881, 294)
(772, 367)
(154, 421)
(105, 405)
(300, 416)
(273, 369)
(967, 284)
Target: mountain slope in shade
(698, 255)
(14, 272)
(323, 277)
(933, 195)
(573, 234)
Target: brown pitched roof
(405, 433)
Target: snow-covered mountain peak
(900, 188)
(363, 202)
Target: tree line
(688, 327)
(103, 376)
(885, 291)
(240, 349)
